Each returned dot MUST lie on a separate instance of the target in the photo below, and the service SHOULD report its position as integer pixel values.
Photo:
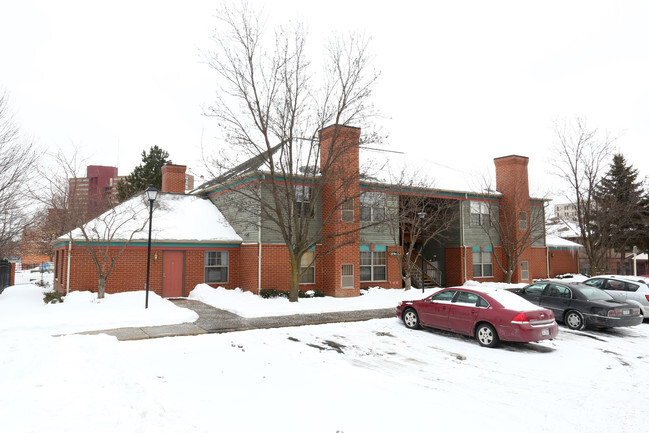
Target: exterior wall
(129, 273)
(563, 261)
(238, 210)
(477, 235)
(393, 271)
(539, 263)
(386, 232)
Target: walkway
(214, 321)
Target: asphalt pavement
(212, 320)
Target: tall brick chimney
(514, 206)
(173, 178)
(339, 165)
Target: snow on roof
(176, 218)
(556, 241)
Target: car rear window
(512, 301)
(595, 294)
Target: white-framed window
(303, 201)
(307, 268)
(522, 220)
(482, 264)
(347, 276)
(372, 206)
(347, 211)
(479, 213)
(525, 271)
(373, 266)
(216, 266)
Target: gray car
(624, 289)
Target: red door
(173, 264)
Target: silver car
(626, 288)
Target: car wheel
(411, 319)
(574, 320)
(486, 335)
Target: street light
(151, 193)
(421, 216)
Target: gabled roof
(176, 218)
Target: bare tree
(514, 229)
(581, 160)
(272, 110)
(420, 218)
(17, 159)
(105, 237)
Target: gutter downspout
(466, 197)
(67, 278)
(547, 259)
(259, 241)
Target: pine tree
(145, 174)
(620, 213)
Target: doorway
(173, 270)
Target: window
(347, 211)
(525, 271)
(482, 264)
(303, 201)
(558, 291)
(522, 220)
(535, 289)
(445, 296)
(307, 268)
(372, 206)
(216, 266)
(347, 276)
(479, 213)
(373, 266)
(466, 298)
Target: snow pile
(22, 310)
(247, 304)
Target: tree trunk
(408, 281)
(101, 287)
(508, 276)
(295, 281)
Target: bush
(273, 293)
(53, 297)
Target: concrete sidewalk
(213, 321)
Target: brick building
(367, 257)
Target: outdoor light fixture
(151, 193)
(421, 216)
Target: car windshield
(595, 294)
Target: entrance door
(173, 266)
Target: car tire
(574, 320)
(486, 335)
(411, 319)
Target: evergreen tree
(620, 198)
(145, 174)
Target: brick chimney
(173, 178)
(339, 165)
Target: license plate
(545, 332)
(625, 312)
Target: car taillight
(647, 296)
(614, 313)
(520, 318)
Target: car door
(616, 289)
(434, 312)
(556, 298)
(463, 312)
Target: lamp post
(421, 216)
(151, 193)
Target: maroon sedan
(488, 314)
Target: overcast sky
(462, 82)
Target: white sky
(462, 82)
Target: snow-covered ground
(375, 376)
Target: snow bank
(22, 310)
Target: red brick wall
(538, 263)
(129, 273)
(563, 262)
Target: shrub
(53, 297)
(272, 293)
